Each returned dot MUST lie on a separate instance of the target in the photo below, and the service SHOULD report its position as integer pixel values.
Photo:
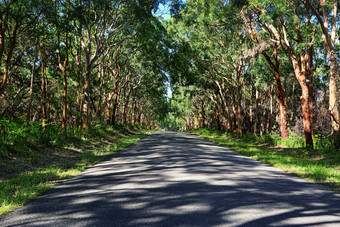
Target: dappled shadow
(178, 179)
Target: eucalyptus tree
(16, 17)
(101, 24)
(181, 107)
(263, 46)
(287, 24)
(214, 35)
(64, 28)
(328, 18)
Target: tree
(16, 17)
(283, 31)
(330, 42)
(262, 48)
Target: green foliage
(171, 122)
(316, 166)
(25, 185)
(17, 138)
(321, 143)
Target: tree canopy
(243, 66)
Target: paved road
(178, 179)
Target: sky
(163, 11)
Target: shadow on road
(177, 179)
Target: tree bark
(101, 83)
(300, 74)
(43, 90)
(108, 97)
(270, 117)
(301, 77)
(310, 72)
(251, 121)
(126, 105)
(116, 95)
(63, 69)
(9, 56)
(279, 91)
(239, 96)
(217, 113)
(64, 120)
(256, 112)
(86, 103)
(329, 40)
(203, 112)
(115, 106)
(28, 117)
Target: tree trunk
(63, 124)
(203, 112)
(300, 74)
(115, 105)
(270, 114)
(310, 72)
(48, 107)
(256, 112)
(198, 116)
(251, 102)
(334, 93)
(217, 114)
(86, 103)
(140, 116)
(133, 110)
(126, 104)
(108, 97)
(28, 117)
(137, 113)
(9, 56)
(101, 83)
(301, 77)
(80, 102)
(292, 107)
(244, 106)
(329, 40)
(234, 107)
(62, 67)
(279, 91)
(280, 94)
(43, 90)
(4, 80)
(239, 108)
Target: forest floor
(25, 175)
(316, 166)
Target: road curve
(179, 179)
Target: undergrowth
(320, 165)
(321, 143)
(16, 138)
(31, 157)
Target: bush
(16, 138)
(321, 142)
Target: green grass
(33, 171)
(317, 166)
(17, 139)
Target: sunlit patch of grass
(18, 190)
(318, 166)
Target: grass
(320, 166)
(35, 162)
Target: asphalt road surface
(178, 179)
